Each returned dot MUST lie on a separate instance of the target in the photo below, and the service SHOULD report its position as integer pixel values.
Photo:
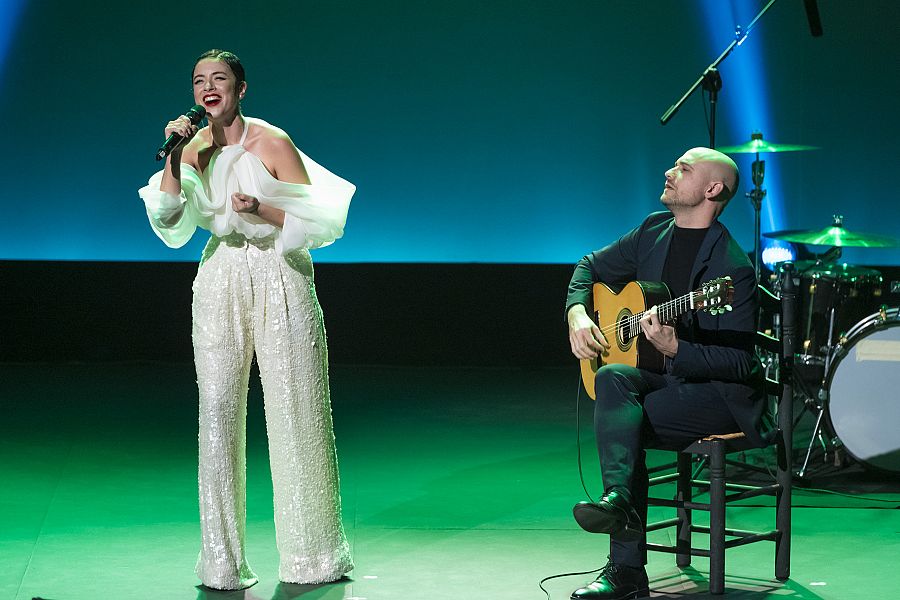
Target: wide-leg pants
(247, 297)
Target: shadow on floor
(283, 591)
(689, 582)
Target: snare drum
(864, 391)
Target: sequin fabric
(247, 297)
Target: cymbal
(758, 145)
(835, 235)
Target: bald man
(711, 379)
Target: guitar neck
(667, 311)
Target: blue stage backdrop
(503, 131)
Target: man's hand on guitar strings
(585, 338)
(661, 336)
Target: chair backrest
(781, 344)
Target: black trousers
(636, 410)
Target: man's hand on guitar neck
(661, 336)
(585, 337)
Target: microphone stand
(710, 79)
(712, 83)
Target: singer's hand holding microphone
(184, 128)
(180, 131)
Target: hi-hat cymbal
(835, 235)
(758, 145)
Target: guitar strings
(666, 311)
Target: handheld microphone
(194, 116)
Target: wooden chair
(716, 447)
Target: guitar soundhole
(624, 330)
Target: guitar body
(611, 313)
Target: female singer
(266, 204)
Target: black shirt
(677, 270)
(680, 261)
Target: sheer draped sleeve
(174, 218)
(315, 213)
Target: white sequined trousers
(248, 297)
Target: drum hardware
(836, 306)
(811, 399)
(814, 395)
(833, 297)
(758, 145)
(818, 433)
(840, 298)
(858, 414)
(756, 196)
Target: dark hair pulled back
(229, 58)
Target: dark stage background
(376, 314)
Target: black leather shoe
(613, 514)
(616, 582)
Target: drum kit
(847, 371)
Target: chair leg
(783, 508)
(717, 517)
(685, 494)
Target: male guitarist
(711, 379)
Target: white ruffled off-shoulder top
(314, 213)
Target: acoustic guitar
(619, 314)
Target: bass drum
(864, 391)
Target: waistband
(236, 240)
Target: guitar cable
(583, 486)
(580, 477)
(578, 437)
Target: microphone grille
(196, 113)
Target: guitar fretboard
(667, 312)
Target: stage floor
(456, 484)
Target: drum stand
(820, 403)
(756, 196)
